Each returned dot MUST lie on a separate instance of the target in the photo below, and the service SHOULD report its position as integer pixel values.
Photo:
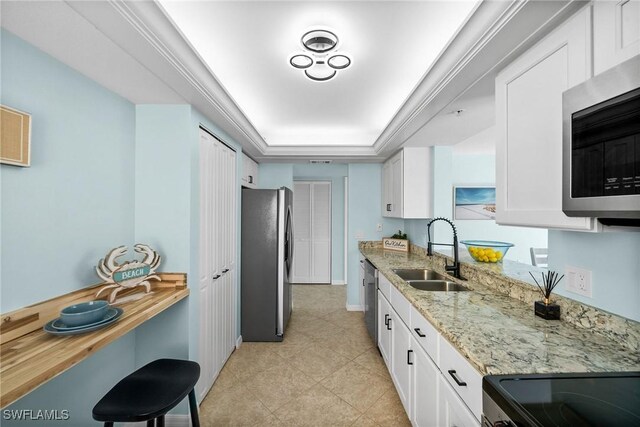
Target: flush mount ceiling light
(320, 61)
(319, 41)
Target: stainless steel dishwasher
(371, 299)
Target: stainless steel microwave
(601, 145)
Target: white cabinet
(452, 411)
(424, 399)
(616, 32)
(407, 184)
(249, 172)
(384, 329)
(424, 334)
(529, 126)
(401, 364)
(435, 383)
(461, 376)
(217, 275)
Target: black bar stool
(149, 393)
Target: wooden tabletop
(35, 357)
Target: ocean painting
(474, 203)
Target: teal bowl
(487, 250)
(84, 313)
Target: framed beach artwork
(474, 203)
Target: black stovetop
(568, 400)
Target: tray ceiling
(247, 46)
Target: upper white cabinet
(616, 32)
(249, 172)
(407, 184)
(529, 126)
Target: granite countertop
(499, 334)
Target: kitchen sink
(436, 285)
(418, 274)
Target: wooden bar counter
(29, 357)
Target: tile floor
(326, 372)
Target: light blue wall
(478, 169)
(614, 260)
(62, 214)
(275, 175)
(162, 220)
(76, 201)
(79, 389)
(471, 169)
(365, 212)
(336, 174)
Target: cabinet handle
(456, 379)
(362, 282)
(386, 320)
(420, 334)
(389, 324)
(388, 207)
(250, 179)
(409, 362)
(217, 276)
(225, 270)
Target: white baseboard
(170, 420)
(239, 342)
(338, 282)
(355, 307)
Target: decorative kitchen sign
(129, 274)
(15, 137)
(397, 242)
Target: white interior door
(312, 225)
(217, 279)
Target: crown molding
(494, 34)
(142, 29)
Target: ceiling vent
(320, 162)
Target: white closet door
(321, 232)
(217, 278)
(312, 225)
(302, 232)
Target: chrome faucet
(455, 267)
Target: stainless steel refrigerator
(267, 256)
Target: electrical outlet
(379, 228)
(579, 281)
(359, 235)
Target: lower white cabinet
(401, 364)
(461, 376)
(452, 412)
(384, 331)
(448, 393)
(425, 384)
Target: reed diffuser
(545, 308)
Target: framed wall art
(474, 202)
(15, 137)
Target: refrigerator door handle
(281, 263)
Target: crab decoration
(129, 274)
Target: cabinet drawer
(424, 334)
(462, 377)
(401, 305)
(384, 285)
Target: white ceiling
(470, 113)
(133, 48)
(247, 44)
